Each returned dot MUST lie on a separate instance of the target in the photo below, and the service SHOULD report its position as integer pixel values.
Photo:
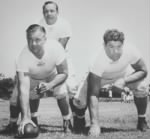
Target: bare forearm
(59, 79)
(93, 109)
(24, 102)
(93, 93)
(136, 76)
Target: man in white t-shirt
(59, 29)
(111, 67)
(41, 68)
(56, 27)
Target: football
(30, 131)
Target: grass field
(117, 121)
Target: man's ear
(45, 38)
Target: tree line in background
(6, 86)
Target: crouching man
(110, 67)
(42, 64)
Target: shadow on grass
(43, 129)
(109, 129)
(3, 132)
(50, 128)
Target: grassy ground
(117, 121)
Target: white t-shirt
(110, 70)
(60, 29)
(44, 67)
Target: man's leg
(12, 127)
(64, 108)
(14, 113)
(61, 95)
(14, 106)
(78, 116)
(78, 105)
(141, 105)
(34, 100)
(34, 105)
(141, 101)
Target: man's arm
(94, 86)
(139, 74)
(94, 82)
(93, 92)
(62, 74)
(24, 91)
(64, 41)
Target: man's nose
(49, 12)
(116, 51)
(34, 43)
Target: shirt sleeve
(21, 63)
(135, 55)
(66, 30)
(96, 67)
(60, 54)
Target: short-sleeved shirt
(110, 70)
(60, 29)
(44, 67)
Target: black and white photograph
(75, 69)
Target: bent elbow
(66, 76)
(145, 73)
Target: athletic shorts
(59, 92)
(138, 88)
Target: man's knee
(77, 109)
(14, 97)
(61, 95)
(140, 93)
(60, 92)
(93, 93)
(139, 89)
(13, 103)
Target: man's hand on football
(22, 125)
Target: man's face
(113, 49)
(36, 41)
(50, 12)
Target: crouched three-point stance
(111, 68)
(42, 64)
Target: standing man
(58, 29)
(110, 67)
(41, 63)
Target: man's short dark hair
(34, 27)
(50, 2)
(113, 35)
